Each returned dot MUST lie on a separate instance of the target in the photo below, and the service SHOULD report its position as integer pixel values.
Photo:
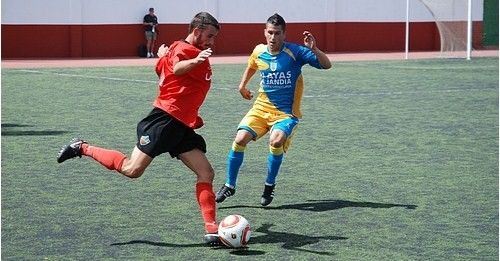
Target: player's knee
(132, 172)
(210, 173)
(276, 143)
(135, 173)
(206, 175)
(243, 137)
(277, 139)
(240, 140)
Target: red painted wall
(61, 41)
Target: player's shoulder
(184, 46)
(183, 49)
(174, 45)
(297, 51)
(260, 48)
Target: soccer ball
(234, 231)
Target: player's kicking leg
(132, 167)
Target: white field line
(423, 68)
(371, 94)
(336, 95)
(88, 76)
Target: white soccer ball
(234, 231)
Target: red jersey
(182, 95)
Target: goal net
(451, 18)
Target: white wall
(226, 11)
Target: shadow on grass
(32, 133)
(290, 241)
(238, 251)
(7, 131)
(162, 244)
(326, 205)
(12, 125)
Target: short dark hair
(151, 9)
(277, 20)
(201, 20)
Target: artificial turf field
(394, 160)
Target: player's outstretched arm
(310, 42)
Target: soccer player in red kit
(184, 80)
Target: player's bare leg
(132, 167)
(135, 166)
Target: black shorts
(159, 132)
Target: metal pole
(469, 29)
(407, 33)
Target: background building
(113, 28)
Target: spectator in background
(150, 23)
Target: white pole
(407, 33)
(469, 29)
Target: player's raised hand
(162, 51)
(309, 40)
(203, 55)
(246, 93)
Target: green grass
(394, 160)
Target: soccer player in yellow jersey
(277, 107)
